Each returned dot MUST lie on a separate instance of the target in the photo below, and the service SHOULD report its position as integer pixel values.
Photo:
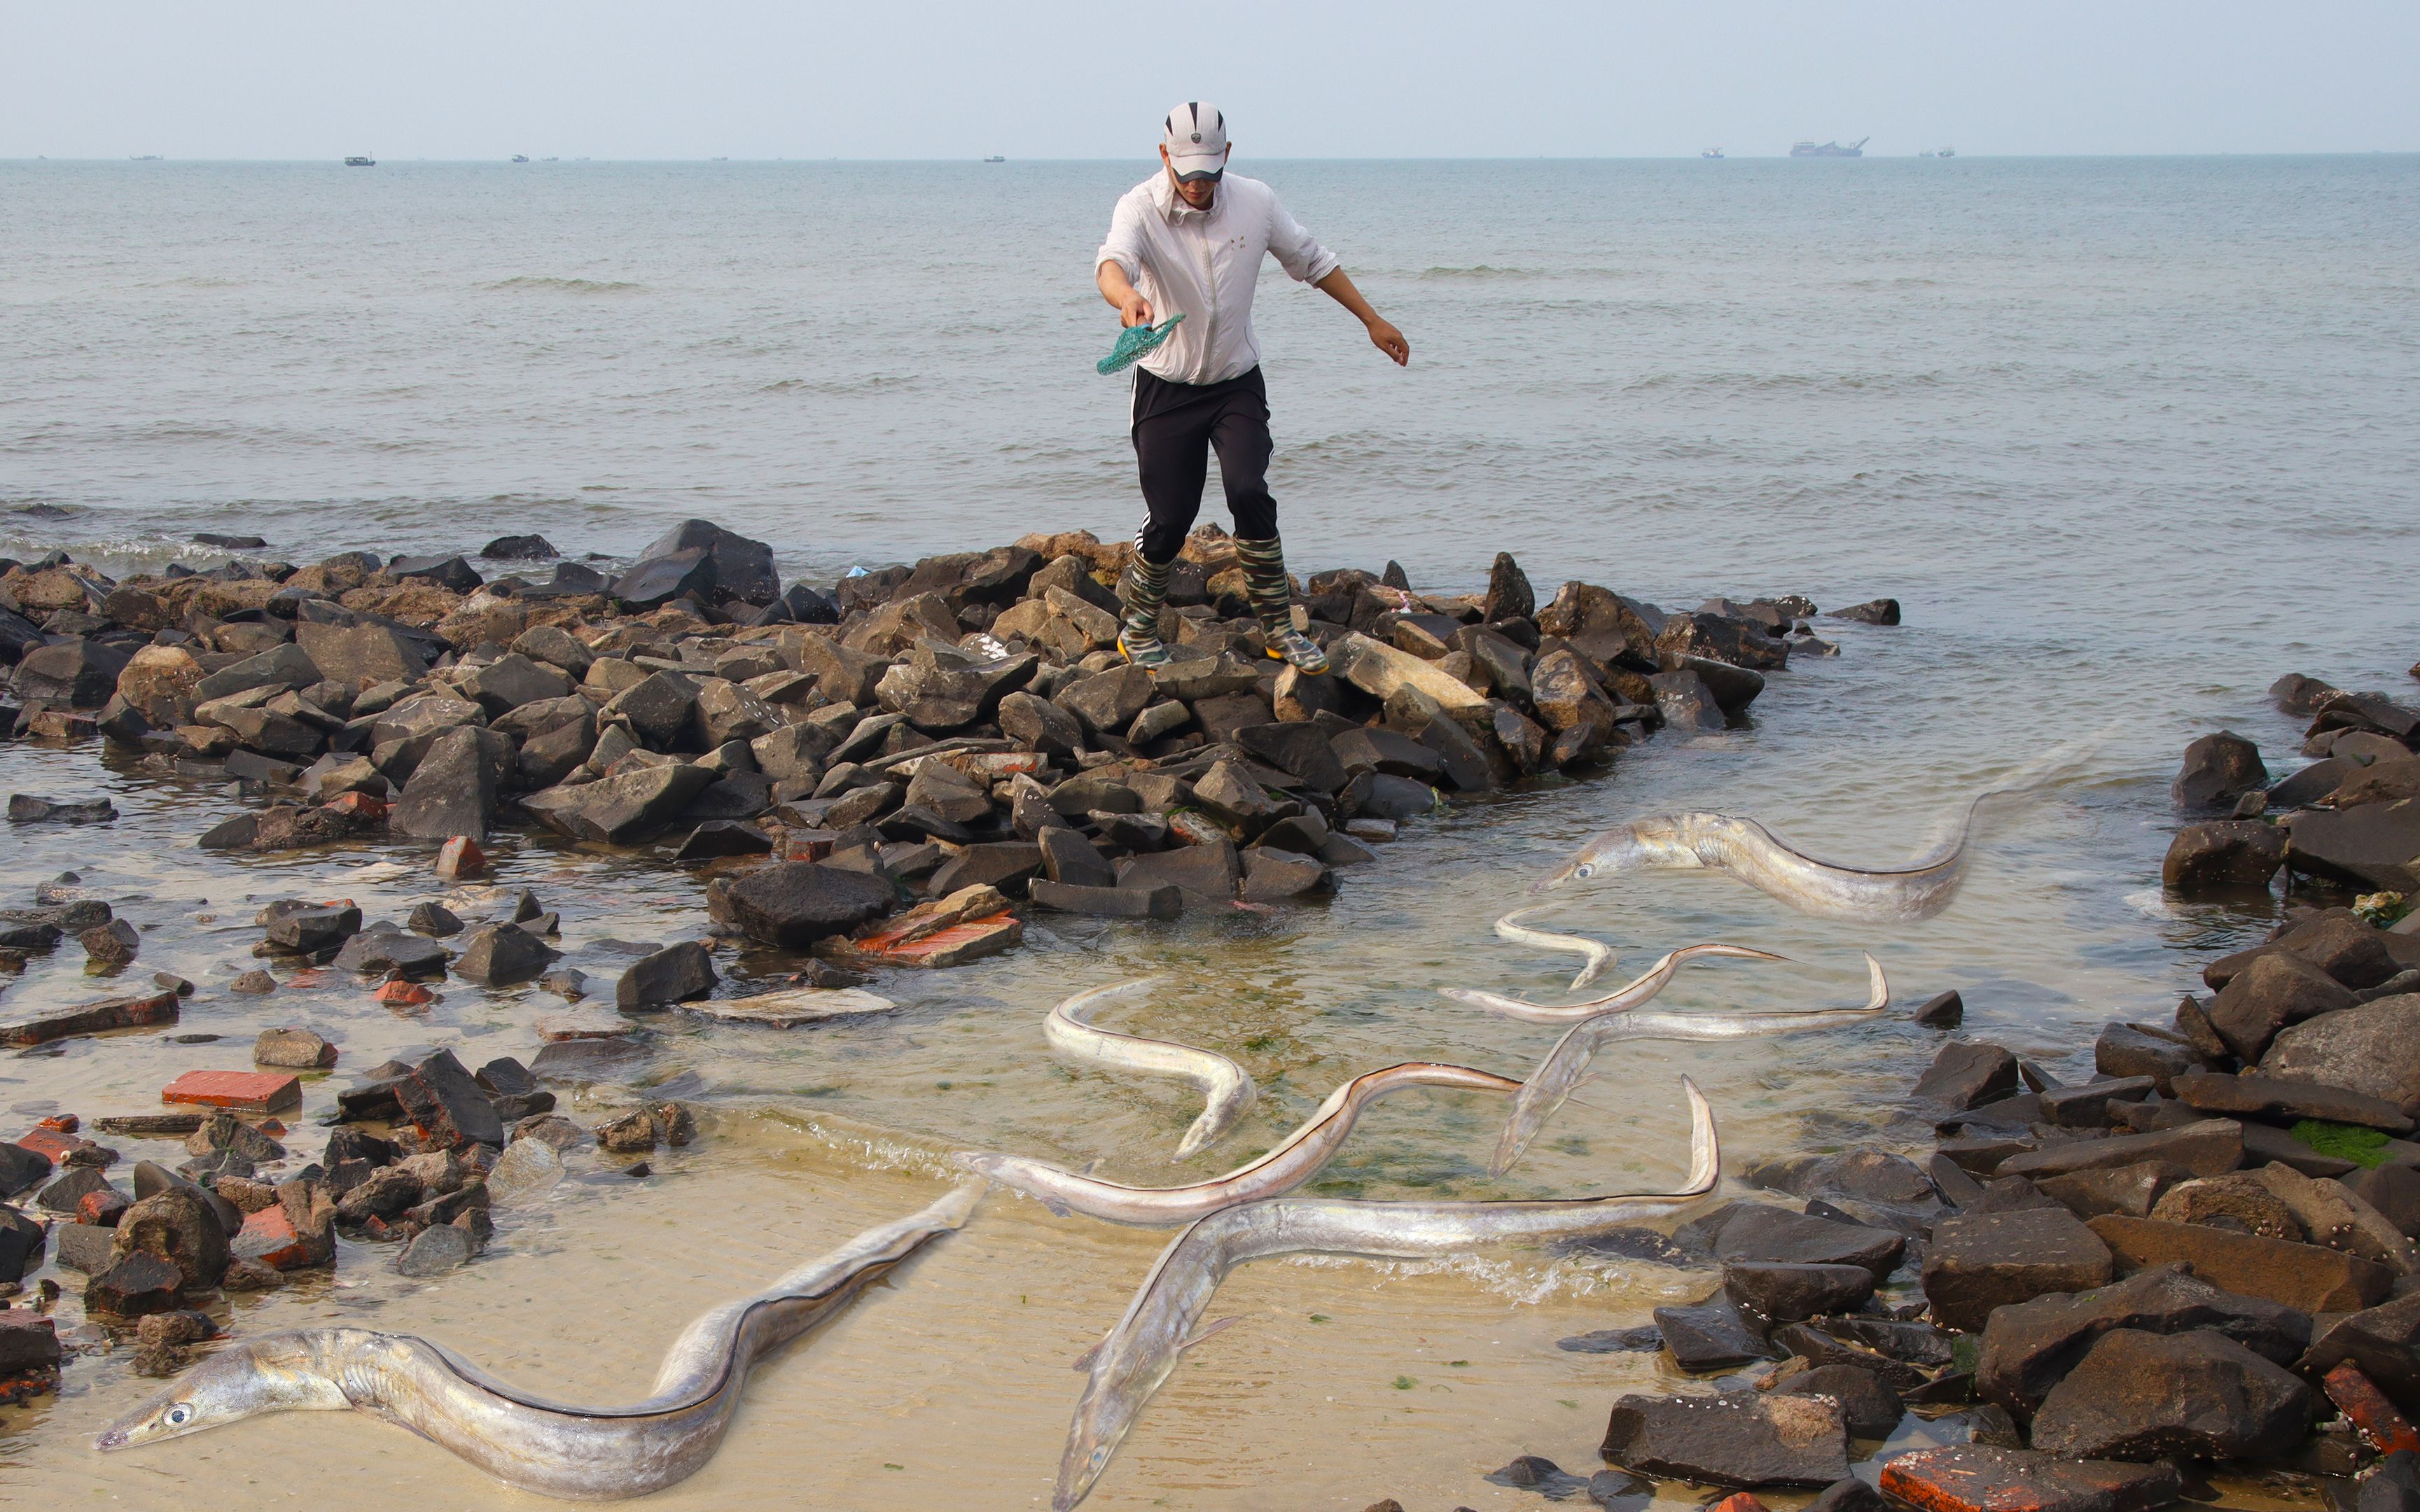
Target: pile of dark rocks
(420, 1153)
(917, 731)
(2202, 1258)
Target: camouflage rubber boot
(1140, 592)
(1272, 597)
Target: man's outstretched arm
(1339, 287)
(1133, 308)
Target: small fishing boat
(361, 162)
(520, 157)
(995, 160)
(1715, 153)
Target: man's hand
(1134, 310)
(1391, 341)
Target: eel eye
(1585, 870)
(178, 1416)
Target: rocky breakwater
(2199, 1260)
(959, 730)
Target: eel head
(1631, 847)
(276, 1373)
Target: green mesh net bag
(1134, 342)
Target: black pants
(1175, 426)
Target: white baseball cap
(1197, 139)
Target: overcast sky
(1408, 79)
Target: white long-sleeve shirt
(1206, 264)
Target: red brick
(1738, 1502)
(102, 1209)
(63, 1122)
(53, 1144)
(270, 1237)
(461, 858)
(245, 1091)
(2370, 1412)
(361, 806)
(403, 995)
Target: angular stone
(2275, 991)
(2304, 1276)
(1782, 1292)
(2231, 853)
(675, 974)
(1872, 1408)
(2394, 1190)
(2028, 1347)
(1106, 702)
(2132, 1190)
(133, 1285)
(1207, 874)
(1109, 903)
(389, 952)
(2142, 1396)
(93, 1018)
(2374, 845)
(702, 561)
(1863, 1175)
(1003, 864)
(1274, 875)
(1974, 1477)
(2328, 1213)
(2125, 1050)
(435, 1251)
(2382, 1342)
(1069, 858)
(2210, 1147)
(311, 929)
(445, 1105)
(793, 905)
(2088, 1104)
(298, 1049)
(1301, 751)
(1966, 1074)
(1709, 1335)
(1379, 670)
(624, 809)
(501, 955)
(2218, 769)
(181, 1224)
(1737, 1439)
(2282, 1100)
(1975, 1263)
(1754, 1231)
(2372, 1048)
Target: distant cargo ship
(361, 162)
(995, 160)
(1829, 150)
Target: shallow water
(2128, 438)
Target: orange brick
(270, 1237)
(2369, 1410)
(52, 1145)
(245, 1091)
(63, 1122)
(461, 858)
(403, 995)
(359, 804)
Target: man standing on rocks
(1188, 240)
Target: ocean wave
(878, 384)
(566, 286)
(1488, 270)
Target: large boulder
(82, 674)
(1602, 625)
(2303, 1276)
(1754, 1231)
(452, 790)
(701, 561)
(626, 809)
(2374, 845)
(2372, 1048)
(2218, 769)
(2276, 990)
(1976, 1477)
(1736, 1438)
(2227, 853)
(2142, 1396)
(362, 654)
(1985, 1260)
(793, 905)
(2029, 1346)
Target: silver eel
(1130, 1364)
(1639, 990)
(1227, 1089)
(1292, 1161)
(535, 1443)
(1559, 1076)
